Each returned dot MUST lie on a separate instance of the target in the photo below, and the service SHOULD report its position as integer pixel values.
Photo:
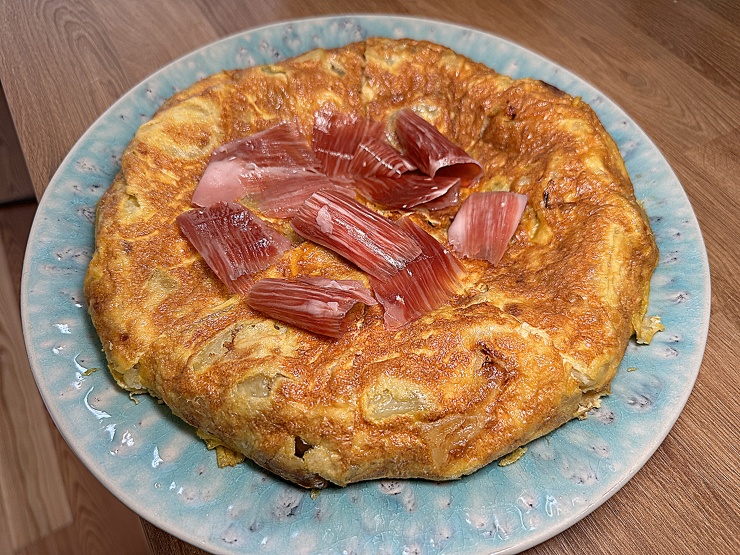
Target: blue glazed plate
(155, 464)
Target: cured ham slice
(424, 285)
(374, 157)
(352, 287)
(372, 242)
(256, 163)
(282, 145)
(450, 198)
(405, 191)
(278, 170)
(319, 308)
(485, 224)
(233, 241)
(221, 182)
(336, 137)
(432, 152)
(283, 199)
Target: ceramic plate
(156, 465)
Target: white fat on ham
(323, 219)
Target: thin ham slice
(221, 182)
(254, 164)
(405, 191)
(424, 285)
(432, 152)
(485, 224)
(319, 308)
(336, 137)
(372, 242)
(233, 241)
(450, 198)
(283, 199)
(351, 287)
(374, 157)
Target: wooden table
(673, 65)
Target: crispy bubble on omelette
(523, 347)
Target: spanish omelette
(525, 346)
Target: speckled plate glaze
(155, 464)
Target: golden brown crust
(518, 352)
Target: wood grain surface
(33, 494)
(49, 502)
(15, 183)
(673, 65)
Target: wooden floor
(49, 502)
